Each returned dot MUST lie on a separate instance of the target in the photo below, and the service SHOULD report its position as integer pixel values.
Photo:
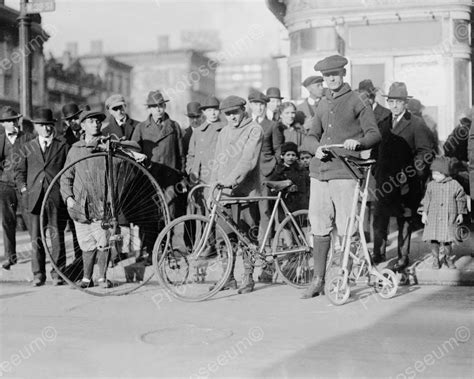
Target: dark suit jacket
(70, 136)
(125, 131)
(36, 171)
(271, 146)
(8, 165)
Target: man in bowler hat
(11, 139)
(119, 122)
(341, 118)
(274, 102)
(73, 132)
(41, 159)
(194, 113)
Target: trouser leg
(380, 225)
(8, 207)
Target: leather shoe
(402, 263)
(84, 284)
(378, 258)
(38, 282)
(8, 264)
(316, 288)
(58, 282)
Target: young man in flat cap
(41, 159)
(274, 102)
(119, 122)
(236, 165)
(271, 148)
(11, 140)
(72, 132)
(314, 85)
(413, 155)
(341, 118)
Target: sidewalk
(420, 262)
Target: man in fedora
(340, 118)
(72, 132)
(271, 148)
(415, 151)
(236, 165)
(160, 137)
(274, 102)
(119, 122)
(315, 88)
(194, 113)
(368, 92)
(11, 139)
(40, 161)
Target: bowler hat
(193, 109)
(312, 80)
(398, 90)
(332, 63)
(366, 85)
(155, 98)
(274, 92)
(88, 114)
(44, 116)
(8, 114)
(210, 102)
(258, 97)
(114, 101)
(70, 110)
(232, 102)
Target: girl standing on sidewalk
(442, 211)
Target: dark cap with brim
(92, 114)
(331, 64)
(232, 102)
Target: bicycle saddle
(278, 185)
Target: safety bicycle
(180, 253)
(356, 261)
(126, 203)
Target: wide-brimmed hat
(70, 110)
(193, 109)
(398, 90)
(366, 85)
(114, 101)
(312, 80)
(210, 102)
(258, 97)
(155, 98)
(232, 102)
(332, 63)
(274, 92)
(89, 114)
(43, 116)
(8, 114)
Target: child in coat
(442, 211)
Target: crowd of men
(241, 143)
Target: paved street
(47, 332)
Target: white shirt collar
(374, 105)
(400, 116)
(269, 114)
(311, 101)
(42, 140)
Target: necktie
(45, 146)
(394, 121)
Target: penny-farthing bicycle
(117, 198)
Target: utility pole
(25, 68)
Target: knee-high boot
(320, 253)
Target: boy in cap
(11, 140)
(119, 122)
(40, 161)
(236, 165)
(314, 85)
(341, 118)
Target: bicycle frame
(217, 211)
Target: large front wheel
(190, 266)
(292, 250)
(113, 226)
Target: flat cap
(91, 114)
(114, 101)
(232, 102)
(210, 102)
(312, 80)
(258, 97)
(332, 63)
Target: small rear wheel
(295, 268)
(387, 288)
(337, 290)
(190, 267)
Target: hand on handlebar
(321, 153)
(351, 144)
